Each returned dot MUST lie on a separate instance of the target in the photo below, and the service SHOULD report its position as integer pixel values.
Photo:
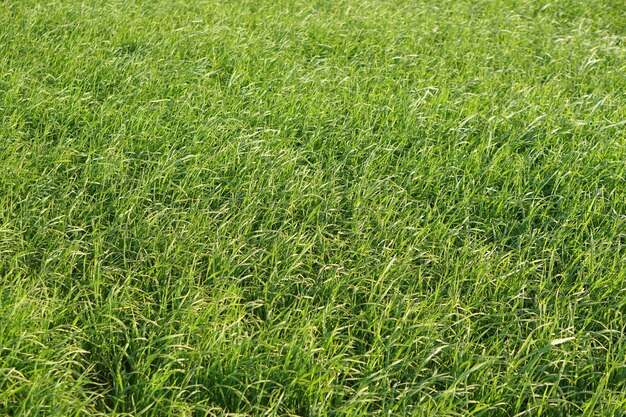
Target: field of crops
(312, 208)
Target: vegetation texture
(312, 208)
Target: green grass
(326, 208)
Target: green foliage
(312, 208)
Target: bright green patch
(312, 208)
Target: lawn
(312, 208)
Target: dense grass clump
(312, 208)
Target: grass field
(313, 208)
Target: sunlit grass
(312, 208)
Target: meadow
(312, 208)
